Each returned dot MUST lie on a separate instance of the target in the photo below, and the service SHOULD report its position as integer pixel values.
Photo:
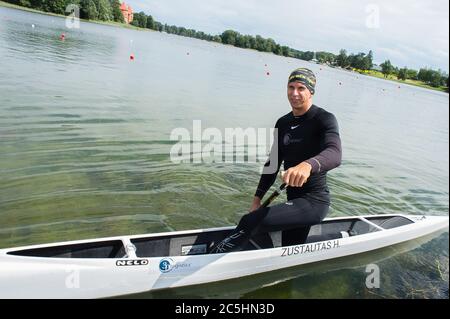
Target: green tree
(411, 74)
(357, 61)
(285, 50)
(229, 37)
(325, 57)
(242, 41)
(159, 26)
(116, 12)
(140, 20)
(88, 10)
(150, 22)
(402, 74)
(55, 6)
(23, 3)
(368, 61)
(307, 56)
(387, 68)
(104, 10)
(342, 59)
(277, 50)
(270, 45)
(436, 79)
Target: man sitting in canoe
(308, 143)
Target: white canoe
(117, 266)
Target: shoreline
(107, 23)
(392, 78)
(371, 73)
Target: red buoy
(63, 37)
(132, 57)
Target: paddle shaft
(274, 195)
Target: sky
(412, 33)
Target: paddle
(274, 195)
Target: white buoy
(32, 26)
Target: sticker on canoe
(167, 264)
(193, 249)
(132, 262)
(310, 248)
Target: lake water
(85, 142)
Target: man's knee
(319, 215)
(253, 219)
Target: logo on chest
(288, 139)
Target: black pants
(294, 217)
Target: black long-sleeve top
(312, 137)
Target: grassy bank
(380, 75)
(109, 23)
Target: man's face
(299, 96)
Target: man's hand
(256, 204)
(298, 175)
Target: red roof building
(127, 12)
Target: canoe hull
(42, 277)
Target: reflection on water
(85, 142)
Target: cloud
(412, 32)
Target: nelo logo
(135, 262)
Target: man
(308, 143)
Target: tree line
(431, 77)
(109, 10)
(103, 10)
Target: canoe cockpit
(195, 243)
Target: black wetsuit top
(312, 137)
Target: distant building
(127, 12)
